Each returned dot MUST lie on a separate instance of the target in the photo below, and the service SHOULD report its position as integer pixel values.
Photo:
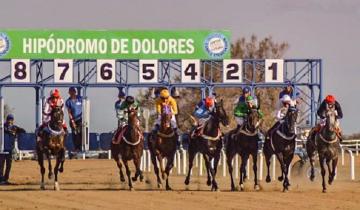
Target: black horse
(52, 140)
(326, 144)
(281, 142)
(208, 142)
(244, 143)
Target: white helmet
(286, 99)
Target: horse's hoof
(141, 178)
(122, 179)
(42, 186)
(330, 181)
(131, 189)
(208, 182)
(312, 177)
(134, 179)
(268, 179)
(56, 186)
(245, 178)
(280, 178)
(50, 176)
(257, 187)
(168, 188)
(61, 170)
(242, 187)
(159, 185)
(324, 191)
(187, 182)
(285, 190)
(233, 189)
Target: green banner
(103, 44)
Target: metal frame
(306, 76)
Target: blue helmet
(72, 89)
(121, 93)
(246, 89)
(288, 82)
(10, 117)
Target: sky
(326, 29)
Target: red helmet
(209, 102)
(330, 99)
(55, 93)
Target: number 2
(234, 68)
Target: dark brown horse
(163, 145)
(51, 142)
(244, 143)
(327, 145)
(281, 142)
(209, 144)
(129, 147)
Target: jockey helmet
(209, 102)
(10, 117)
(164, 94)
(288, 82)
(55, 93)
(330, 99)
(249, 99)
(121, 93)
(246, 90)
(129, 100)
(286, 99)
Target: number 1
(273, 67)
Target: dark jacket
(322, 110)
(10, 132)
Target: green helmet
(249, 99)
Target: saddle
(119, 134)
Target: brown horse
(281, 142)
(129, 147)
(163, 145)
(209, 144)
(326, 144)
(51, 142)
(244, 143)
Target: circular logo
(4, 44)
(216, 45)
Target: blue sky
(327, 29)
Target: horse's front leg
(119, 165)
(208, 170)
(128, 173)
(48, 156)
(192, 154)
(169, 166)
(56, 170)
(229, 158)
(267, 153)
(287, 161)
(244, 159)
(42, 168)
(323, 172)
(333, 174)
(280, 157)
(216, 162)
(254, 157)
(156, 168)
(61, 168)
(137, 162)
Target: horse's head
(220, 113)
(166, 115)
(132, 115)
(253, 121)
(57, 116)
(331, 119)
(290, 119)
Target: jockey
(121, 98)
(288, 90)
(203, 109)
(241, 107)
(242, 110)
(127, 104)
(328, 103)
(286, 103)
(165, 100)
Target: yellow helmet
(164, 93)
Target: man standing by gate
(74, 107)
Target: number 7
(66, 68)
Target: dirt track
(94, 184)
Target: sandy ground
(94, 184)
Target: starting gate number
(190, 71)
(106, 71)
(232, 71)
(148, 71)
(274, 70)
(20, 70)
(63, 71)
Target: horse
(129, 146)
(244, 143)
(209, 144)
(163, 145)
(52, 142)
(326, 144)
(281, 142)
